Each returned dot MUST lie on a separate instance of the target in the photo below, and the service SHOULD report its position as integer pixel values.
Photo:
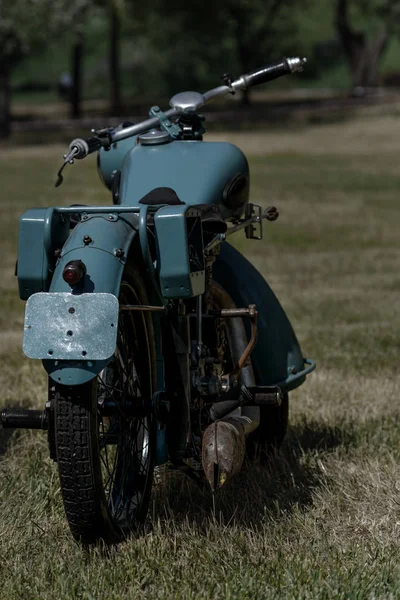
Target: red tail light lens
(74, 272)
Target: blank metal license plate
(62, 326)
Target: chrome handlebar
(192, 101)
(185, 102)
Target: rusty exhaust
(252, 313)
(224, 442)
(224, 447)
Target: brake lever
(68, 159)
(80, 148)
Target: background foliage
(164, 47)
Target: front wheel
(105, 433)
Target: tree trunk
(114, 60)
(77, 73)
(5, 113)
(244, 53)
(239, 11)
(363, 56)
(365, 73)
(375, 51)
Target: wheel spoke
(103, 445)
(126, 471)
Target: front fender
(102, 242)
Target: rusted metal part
(224, 442)
(142, 307)
(238, 312)
(250, 415)
(253, 339)
(271, 213)
(252, 313)
(224, 446)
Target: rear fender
(277, 354)
(102, 242)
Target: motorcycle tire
(106, 463)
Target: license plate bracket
(64, 326)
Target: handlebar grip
(83, 147)
(273, 71)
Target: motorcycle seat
(211, 218)
(161, 195)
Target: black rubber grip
(94, 144)
(85, 146)
(23, 418)
(267, 73)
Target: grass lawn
(322, 520)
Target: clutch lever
(80, 148)
(68, 159)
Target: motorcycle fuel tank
(199, 172)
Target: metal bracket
(252, 314)
(255, 396)
(64, 326)
(108, 217)
(254, 211)
(142, 308)
(253, 218)
(166, 125)
(294, 375)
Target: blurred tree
(364, 48)
(259, 29)
(114, 10)
(24, 26)
(77, 72)
(204, 37)
(114, 62)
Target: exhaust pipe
(224, 442)
(224, 447)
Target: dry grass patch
(363, 136)
(321, 518)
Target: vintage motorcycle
(162, 343)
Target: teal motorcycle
(162, 343)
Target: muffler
(224, 447)
(224, 442)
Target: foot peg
(258, 396)
(22, 418)
(267, 395)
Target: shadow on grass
(5, 436)
(265, 490)
(311, 436)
